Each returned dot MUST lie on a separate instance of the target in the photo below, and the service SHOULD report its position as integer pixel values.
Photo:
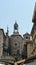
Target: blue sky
(16, 10)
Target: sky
(16, 10)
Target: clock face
(15, 44)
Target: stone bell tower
(33, 32)
(16, 28)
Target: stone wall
(1, 42)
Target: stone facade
(33, 32)
(17, 46)
(1, 41)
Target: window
(18, 52)
(30, 37)
(26, 37)
(15, 44)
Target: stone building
(33, 32)
(17, 46)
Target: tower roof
(35, 7)
(34, 14)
